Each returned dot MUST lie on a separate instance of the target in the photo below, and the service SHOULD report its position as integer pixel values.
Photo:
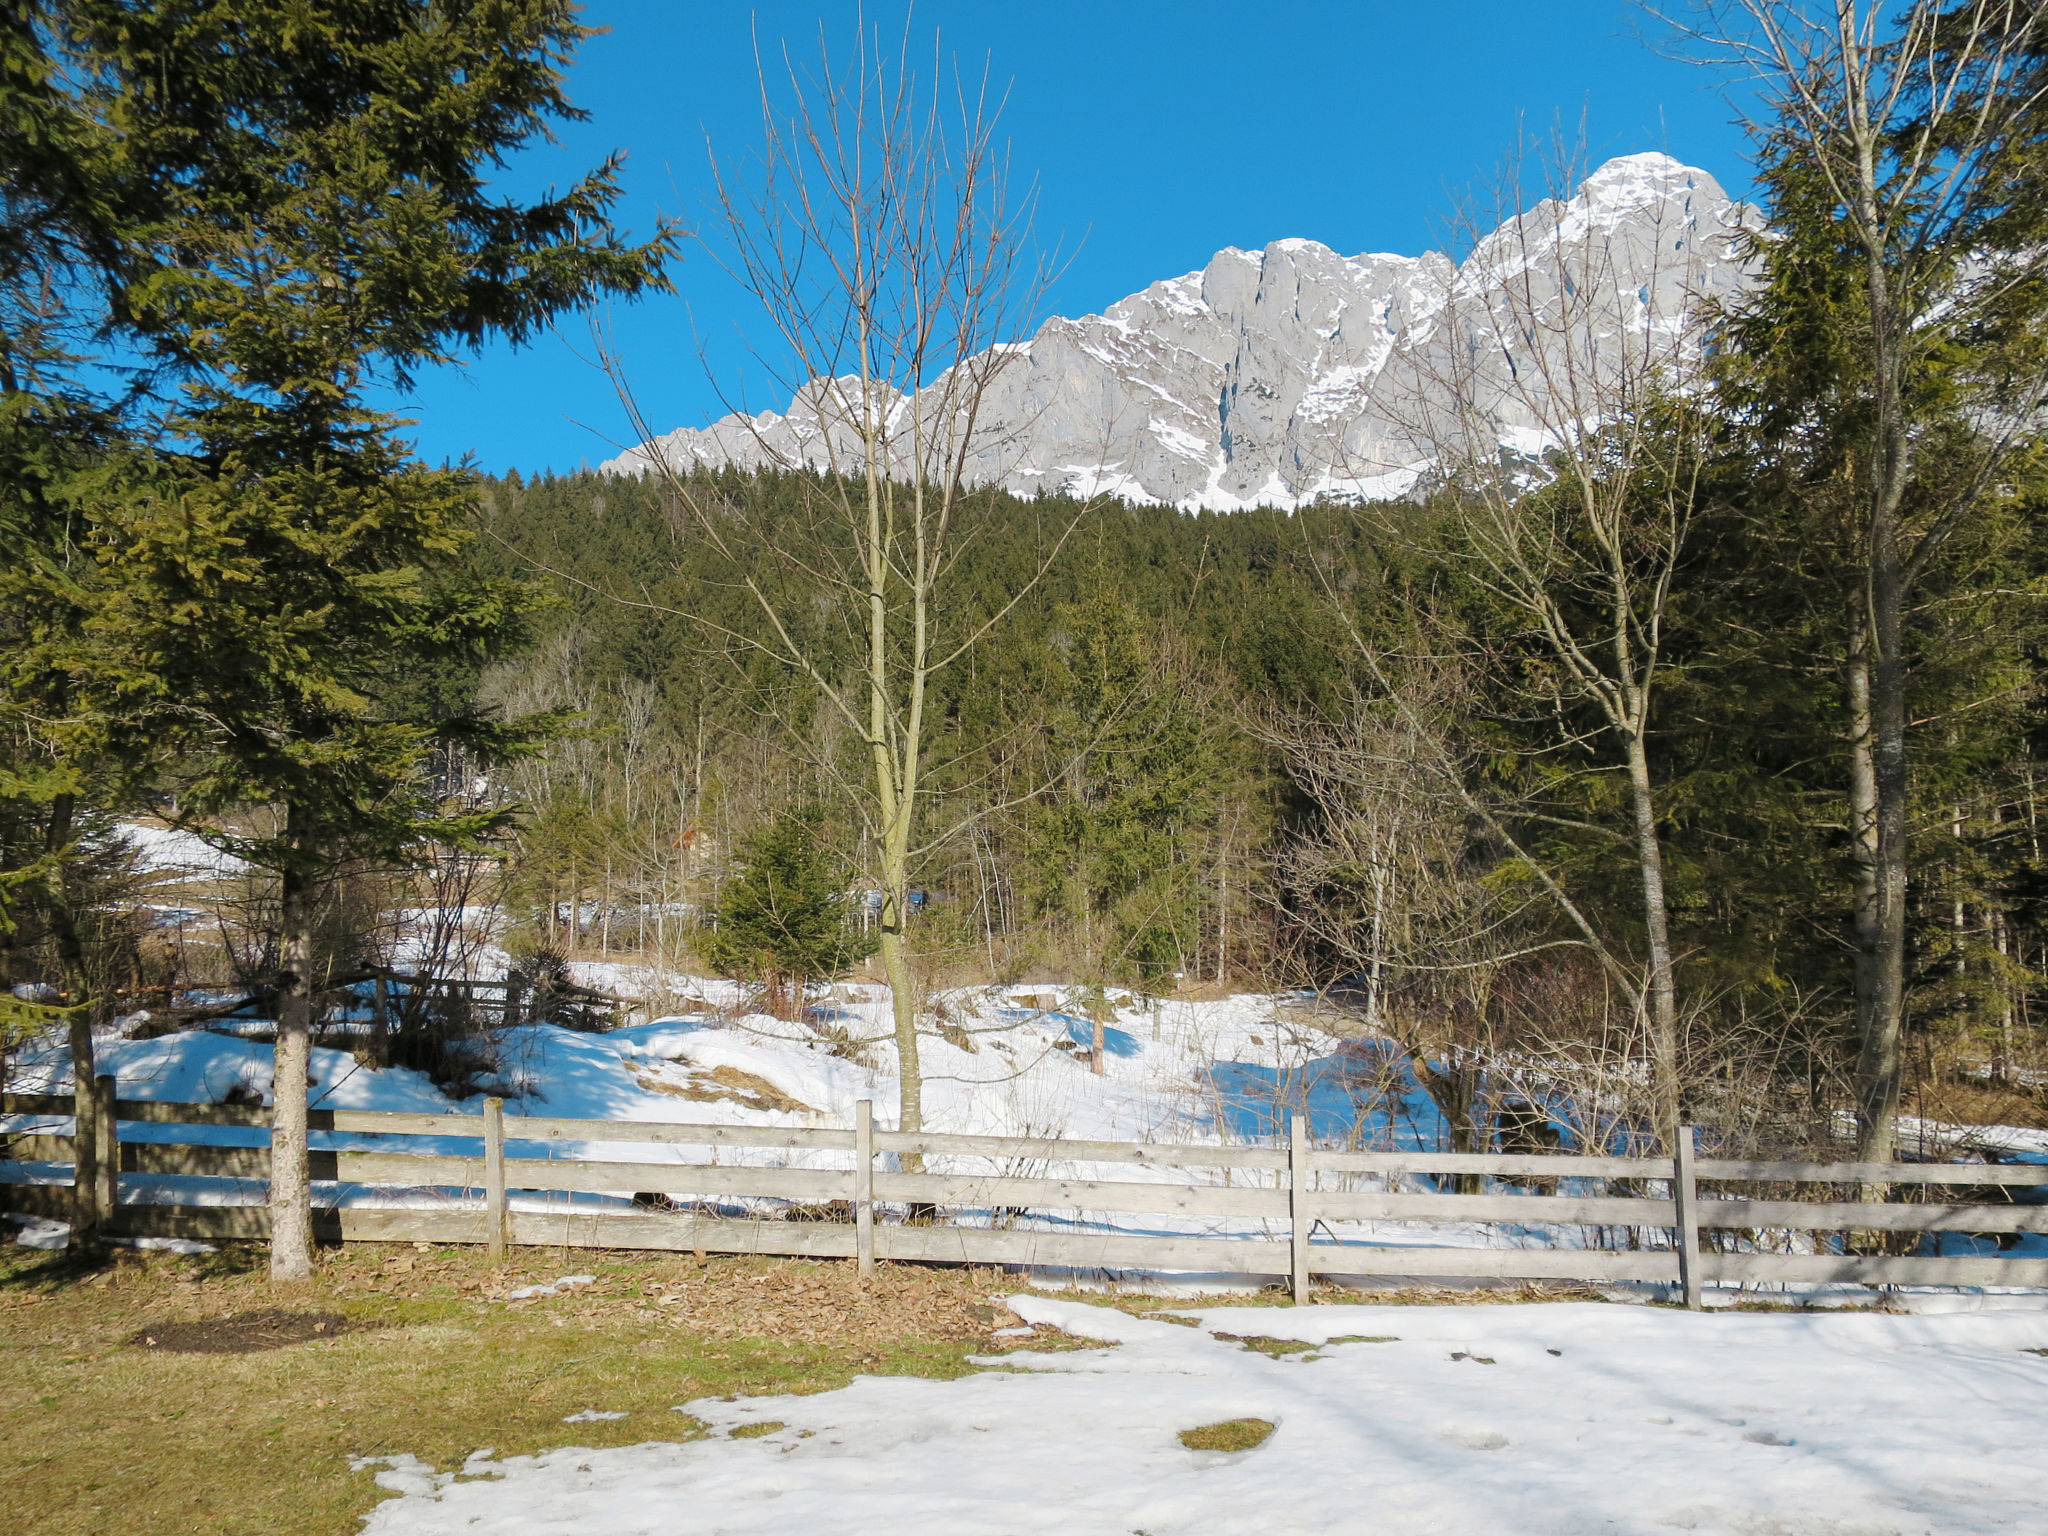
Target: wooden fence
(1649, 1215)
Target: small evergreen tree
(786, 919)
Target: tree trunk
(1663, 990)
(903, 1005)
(1882, 1020)
(1454, 1088)
(1864, 921)
(380, 1023)
(291, 1191)
(78, 995)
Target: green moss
(1230, 1435)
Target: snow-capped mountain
(1281, 376)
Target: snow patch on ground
(1503, 1420)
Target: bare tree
(1562, 412)
(877, 235)
(1395, 890)
(1917, 125)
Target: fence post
(1685, 1196)
(107, 1167)
(1299, 1215)
(864, 1185)
(494, 1178)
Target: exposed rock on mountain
(1282, 376)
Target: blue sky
(1159, 131)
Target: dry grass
(103, 1436)
(1961, 1098)
(729, 1084)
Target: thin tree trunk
(1663, 989)
(1878, 1062)
(85, 1008)
(291, 1192)
(1862, 835)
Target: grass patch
(1265, 1344)
(756, 1431)
(1230, 1435)
(102, 1435)
(1280, 1349)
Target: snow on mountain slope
(1281, 376)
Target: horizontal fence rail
(1646, 1215)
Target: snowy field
(1560, 1420)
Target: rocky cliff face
(1282, 376)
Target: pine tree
(1130, 766)
(785, 920)
(313, 216)
(61, 224)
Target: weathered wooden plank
(380, 1122)
(153, 1112)
(453, 1225)
(1079, 1194)
(106, 1162)
(1852, 1269)
(210, 1162)
(1081, 1250)
(406, 1171)
(144, 1111)
(1497, 1165)
(981, 1245)
(1591, 1265)
(450, 1225)
(494, 1176)
(200, 1222)
(1300, 1209)
(36, 1104)
(1685, 1194)
(683, 1233)
(1873, 1173)
(1526, 1210)
(1848, 1216)
(1059, 1149)
(39, 1149)
(536, 1128)
(807, 1185)
(864, 1185)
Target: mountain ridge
(1292, 374)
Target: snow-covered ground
(1494, 1421)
